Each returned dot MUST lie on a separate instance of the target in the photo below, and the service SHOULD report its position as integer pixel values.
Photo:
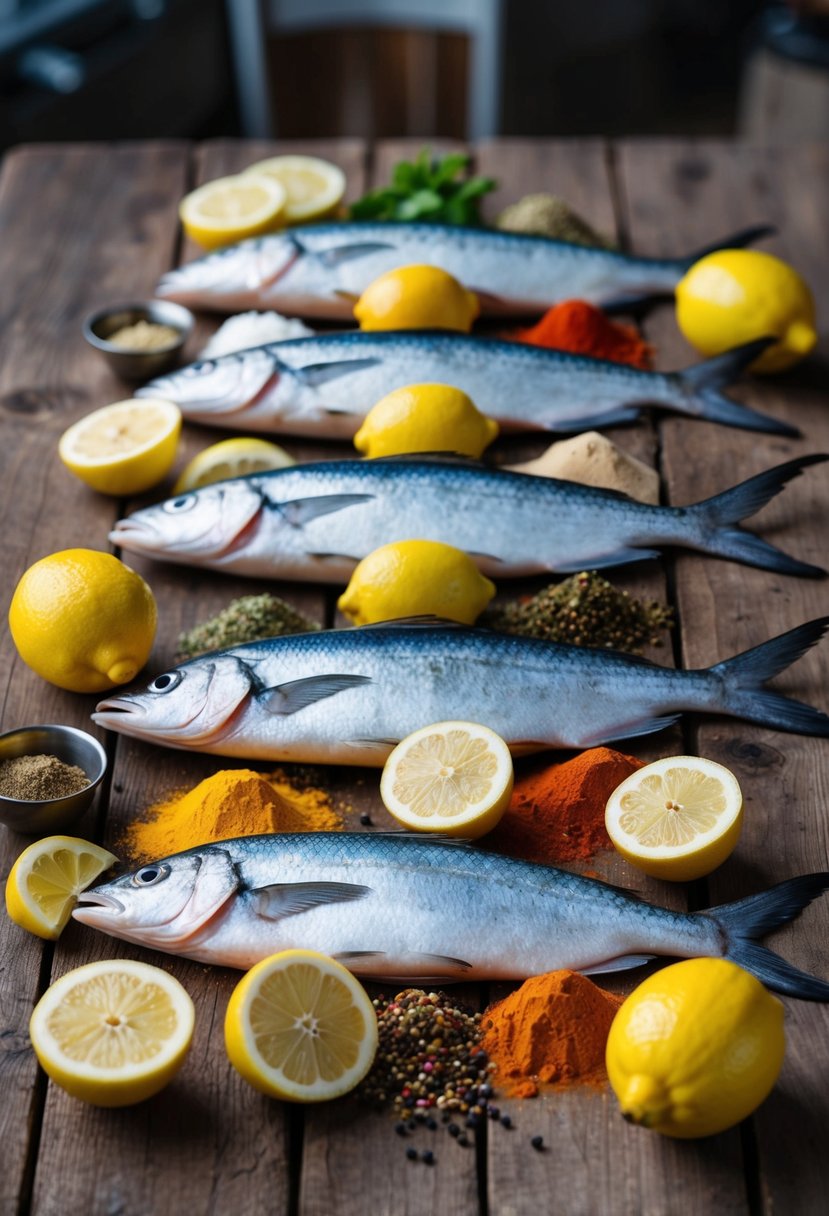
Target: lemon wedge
(232, 208)
(124, 448)
(313, 187)
(299, 1026)
(454, 778)
(113, 1032)
(678, 818)
(231, 458)
(46, 880)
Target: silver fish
(325, 385)
(347, 696)
(319, 270)
(316, 521)
(403, 909)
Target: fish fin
(617, 558)
(351, 296)
(737, 240)
(488, 557)
(699, 393)
(380, 744)
(760, 914)
(630, 730)
(717, 518)
(615, 417)
(431, 458)
(738, 683)
(290, 698)
(331, 258)
(301, 511)
(290, 899)
(623, 963)
(416, 622)
(316, 374)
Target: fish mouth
(139, 536)
(96, 909)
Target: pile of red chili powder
(556, 813)
(583, 329)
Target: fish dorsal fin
(290, 899)
(426, 838)
(415, 622)
(316, 374)
(290, 698)
(340, 254)
(301, 511)
(450, 458)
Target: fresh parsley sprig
(427, 189)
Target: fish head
(165, 903)
(238, 273)
(193, 705)
(229, 384)
(204, 525)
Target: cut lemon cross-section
(313, 187)
(124, 448)
(232, 208)
(46, 880)
(678, 818)
(299, 1026)
(454, 778)
(231, 458)
(113, 1032)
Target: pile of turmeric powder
(233, 802)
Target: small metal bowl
(69, 744)
(138, 364)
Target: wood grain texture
(708, 189)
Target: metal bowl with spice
(139, 340)
(48, 777)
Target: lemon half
(231, 458)
(416, 297)
(299, 1026)
(695, 1048)
(454, 778)
(425, 418)
(124, 448)
(113, 1032)
(313, 187)
(44, 883)
(678, 818)
(231, 209)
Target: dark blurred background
(107, 69)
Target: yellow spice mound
(233, 802)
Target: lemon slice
(47, 878)
(313, 187)
(453, 777)
(124, 448)
(299, 1026)
(678, 818)
(231, 208)
(113, 1032)
(231, 458)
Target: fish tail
(737, 683)
(737, 240)
(746, 919)
(717, 518)
(699, 392)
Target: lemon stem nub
(644, 1101)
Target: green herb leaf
(427, 189)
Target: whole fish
(347, 696)
(319, 270)
(325, 385)
(403, 909)
(316, 521)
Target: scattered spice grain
(549, 215)
(251, 618)
(37, 778)
(144, 335)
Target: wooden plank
(708, 189)
(72, 220)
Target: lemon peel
(416, 297)
(425, 418)
(416, 578)
(238, 457)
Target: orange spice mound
(553, 1029)
(556, 813)
(233, 802)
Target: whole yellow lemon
(83, 620)
(695, 1048)
(417, 297)
(736, 295)
(425, 418)
(416, 578)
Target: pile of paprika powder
(583, 329)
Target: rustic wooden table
(84, 225)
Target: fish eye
(175, 506)
(166, 682)
(148, 876)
